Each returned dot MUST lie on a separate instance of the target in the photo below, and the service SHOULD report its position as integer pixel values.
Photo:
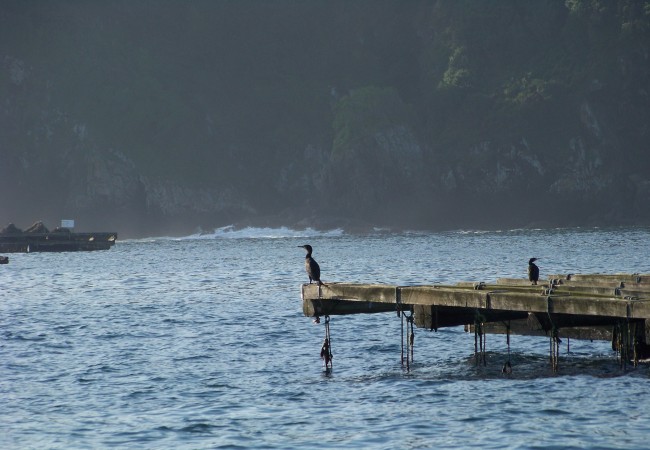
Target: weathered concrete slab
(598, 278)
(601, 302)
(531, 299)
(332, 307)
(442, 295)
(519, 282)
(533, 328)
(435, 317)
(636, 281)
(379, 293)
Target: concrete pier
(578, 306)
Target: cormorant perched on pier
(311, 266)
(533, 271)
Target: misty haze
(152, 118)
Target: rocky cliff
(149, 118)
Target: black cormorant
(311, 266)
(533, 271)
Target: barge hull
(56, 242)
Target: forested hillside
(153, 117)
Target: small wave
(477, 232)
(232, 232)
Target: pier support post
(408, 338)
(479, 339)
(507, 366)
(555, 348)
(326, 349)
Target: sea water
(200, 343)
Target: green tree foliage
(363, 113)
(458, 74)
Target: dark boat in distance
(38, 238)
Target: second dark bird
(311, 266)
(533, 271)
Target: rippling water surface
(200, 343)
